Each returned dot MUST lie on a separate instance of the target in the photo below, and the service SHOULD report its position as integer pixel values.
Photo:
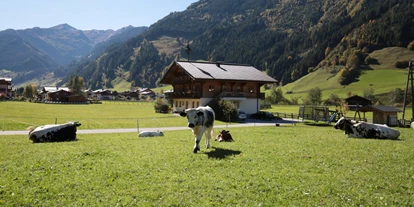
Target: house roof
(221, 71)
(54, 89)
(370, 108)
(6, 79)
(356, 97)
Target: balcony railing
(192, 94)
(232, 94)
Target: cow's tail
(212, 133)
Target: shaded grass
(265, 166)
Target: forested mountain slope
(285, 38)
(32, 53)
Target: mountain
(285, 38)
(35, 52)
(118, 36)
(20, 55)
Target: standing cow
(366, 130)
(201, 121)
(54, 132)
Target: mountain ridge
(286, 39)
(34, 52)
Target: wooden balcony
(193, 94)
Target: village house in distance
(197, 83)
(6, 87)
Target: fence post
(137, 126)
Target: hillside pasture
(383, 77)
(292, 165)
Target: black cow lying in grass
(224, 136)
(54, 132)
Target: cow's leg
(197, 144)
(208, 134)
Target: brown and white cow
(54, 132)
(224, 136)
(366, 130)
(201, 121)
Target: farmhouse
(6, 87)
(59, 95)
(197, 83)
(102, 94)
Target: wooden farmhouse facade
(197, 83)
(6, 87)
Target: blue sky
(86, 14)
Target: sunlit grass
(265, 166)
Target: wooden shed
(356, 102)
(383, 114)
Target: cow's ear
(183, 114)
(200, 113)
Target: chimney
(218, 63)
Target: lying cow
(151, 134)
(201, 121)
(224, 136)
(54, 132)
(366, 130)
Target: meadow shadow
(220, 153)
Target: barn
(356, 102)
(383, 114)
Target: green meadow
(21, 115)
(382, 77)
(291, 165)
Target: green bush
(161, 105)
(223, 109)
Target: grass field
(21, 115)
(109, 115)
(295, 165)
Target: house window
(176, 103)
(192, 104)
(198, 104)
(210, 88)
(238, 88)
(224, 88)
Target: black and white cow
(201, 121)
(54, 132)
(366, 130)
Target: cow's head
(345, 125)
(76, 123)
(193, 115)
(340, 123)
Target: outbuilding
(356, 102)
(383, 114)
